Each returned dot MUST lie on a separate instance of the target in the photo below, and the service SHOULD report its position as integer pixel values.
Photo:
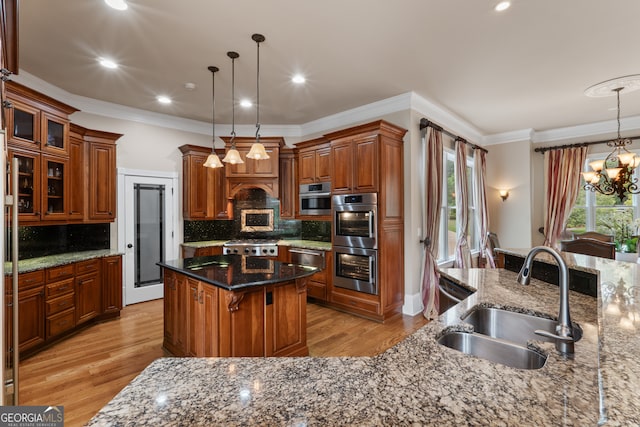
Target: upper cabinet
(314, 160)
(203, 189)
(359, 156)
(101, 178)
(37, 122)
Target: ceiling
(525, 68)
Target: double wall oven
(355, 242)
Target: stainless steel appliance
(315, 199)
(356, 268)
(252, 247)
(354, 220)
(307, 257)
(355, 242)
(451, 294)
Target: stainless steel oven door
(356, 269)
(354, 220)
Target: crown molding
(605, 129)
(359, 114)
(524, 135)
(445, 118)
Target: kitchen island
(234, 305)
(418, 381)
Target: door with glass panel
(148, 235)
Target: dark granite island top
(233, 272)
(418, 381)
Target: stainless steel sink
(494, 350)
(515, 327)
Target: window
(448, 231)
(597, 212)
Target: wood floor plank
(87, 370)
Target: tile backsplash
(41, 241)
(195, 231)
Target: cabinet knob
(110, 213)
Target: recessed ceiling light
(117, 4)
(162, 99)
(245, 103)
(298, 79)
(503, 5)
(107, 63)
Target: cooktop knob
(273, 251)
(246, 250)
(235, 251)
(254, 251)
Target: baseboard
(412, 304)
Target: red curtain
(562, 184)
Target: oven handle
(372, 273)
(372, 225)
(307, 252)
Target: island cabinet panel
(242, 322)
(203, 320)
(286, 319)
(170, 302)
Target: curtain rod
(542, 150)
(425, 123)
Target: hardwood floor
(87, 370)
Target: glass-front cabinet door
(28, 185)
(55, 188)
(55, 132)
(24, 125)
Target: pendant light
(233, 156)
(257, 151)
(213, 161)
(615, 175)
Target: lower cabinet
(206, 321)
(54, 301)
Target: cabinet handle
(65, 287)
(62, 304)
(110, 213)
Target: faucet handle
(553, 336)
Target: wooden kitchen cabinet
(288, 188)
(254, 173)
(355, 164)
(60, 300)
(88, 290)
(111, 285)
(55, 188)
(203, 189)
(36, 121)
(29, 183)
(318, 284)
(190, 252)
(77, 173)
(102, 186)
(206, 321)
(31, 322)
(314, 159)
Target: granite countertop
(417, 381)
(233, 272)
(33, 264)
(305, 244)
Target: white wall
(509, 167)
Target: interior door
(148, 212)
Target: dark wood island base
(235, 306)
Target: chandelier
(615, 174)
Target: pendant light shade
(257, 151)
(233, 157)
(213, 161)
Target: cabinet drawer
(87, 266)
(31, 279)
(317, 290)
(57, 289)
(62, 303)
(62, 272)
(354, 302)
(60, 322)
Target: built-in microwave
(315, 199)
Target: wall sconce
(504, 194)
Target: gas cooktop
(253, 247)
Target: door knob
(129, 245)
